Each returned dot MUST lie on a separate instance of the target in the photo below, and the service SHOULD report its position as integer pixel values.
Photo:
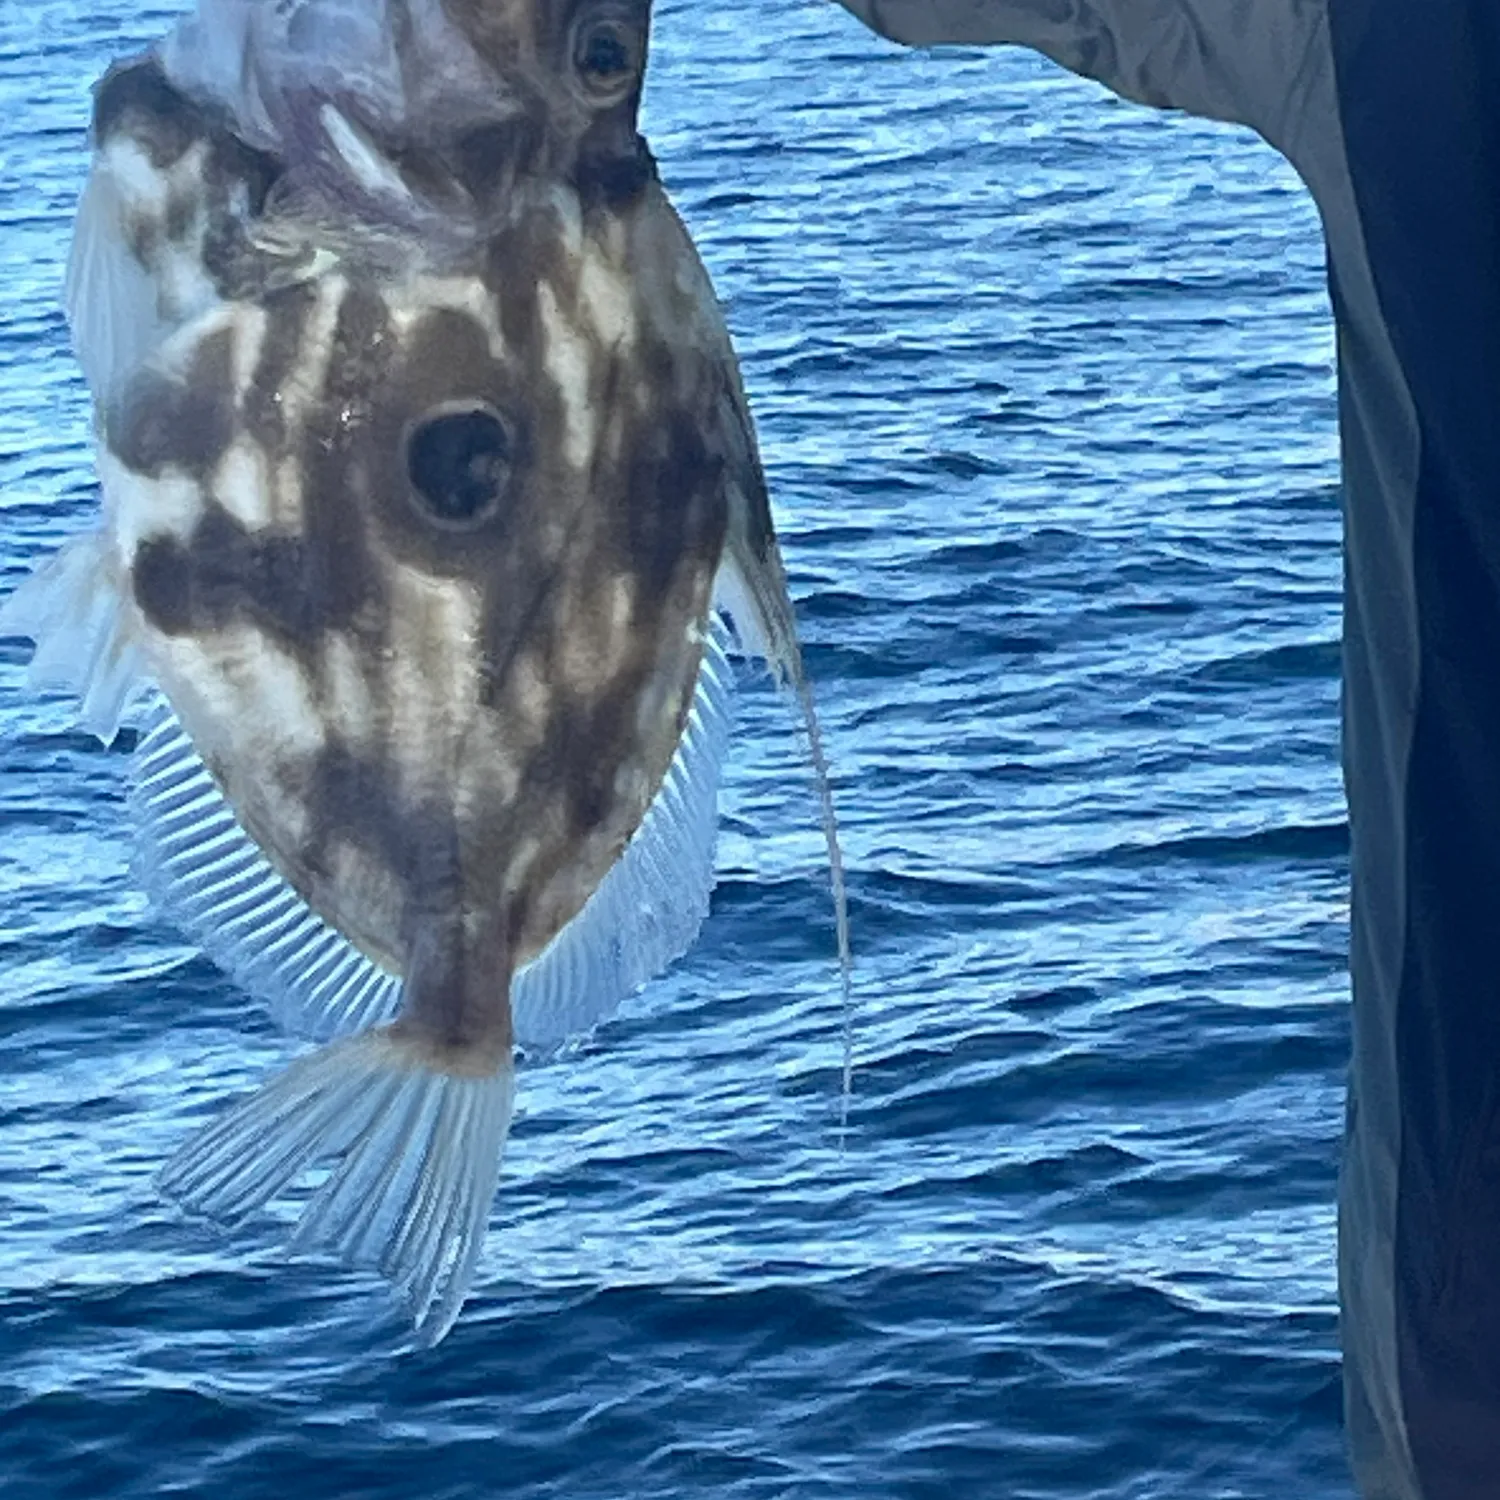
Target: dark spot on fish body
(221, 563)
(612, 175)
(592, 797)
(282, 584)
(182, 589)
(488, 159)
(358, 355)
(184, 421)
(339, 453)
(136, 98)
(520, 261)
(587, 735)
(675, 510)
(354, 797)
(161, 578)
(182, 212)
(287, 313)
(232, 162)
(224, 575)
(143, 237)
(456, 1001)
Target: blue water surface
(1045, 388)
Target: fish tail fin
(72, 608)
(415, 1162)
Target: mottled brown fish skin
(443, 727)
(135, 103)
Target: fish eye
(606, 57)
(459, 461)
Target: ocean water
(1045, 388)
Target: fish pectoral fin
(415, 1163)
(210, 878)
(647, 910)
(111, 299)
(73, 609)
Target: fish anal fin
(212, 880)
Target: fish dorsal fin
(212, 880)
(753, 592)
(829, 819)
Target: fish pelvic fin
(72, 607)
(413, 1151)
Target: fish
(431, 507)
